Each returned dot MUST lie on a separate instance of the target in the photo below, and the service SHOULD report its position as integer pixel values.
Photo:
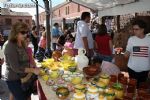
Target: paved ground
(4, 89)
(5, 92)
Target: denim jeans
(17, 91)
(54, 46)
(104, 57)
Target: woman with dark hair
(34, 39)
(138, 51)
(103, 43)
(16, 61)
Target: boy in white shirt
(138, 51)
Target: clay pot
(69, 52)
(91, 71)
(56, 55)
(113, 78)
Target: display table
(49, 93)
(120, 85)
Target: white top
(1, 53)
(83, 31)
(139, 49)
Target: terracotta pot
(120, 76)
(113, 78)
(91, 71)
(68, 51)
(56, 55)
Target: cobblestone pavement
(4, 92)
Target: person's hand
(88, 53)
(36, 71)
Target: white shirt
(1, 53)
(83, 31)
(139, 49)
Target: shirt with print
(83, 31)
(139, 59)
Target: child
(106, 67)
(62, 39)
(42, 43)
(68, 46)
(42, 46)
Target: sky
(32, 11)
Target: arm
(85, 42)
(34, 34)
(128, 49)
(95, 46)
(111, 45)
(84, 33)
(59, 40)
(127, 54)
(32, 70)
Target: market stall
(61, 79)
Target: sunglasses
(24, 32)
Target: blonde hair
(15, 29)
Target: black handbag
(28, 83)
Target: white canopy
(117, 7)
(103, 4)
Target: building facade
(67, 11)
(42, 18)
(8, 18)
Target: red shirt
(103, 44)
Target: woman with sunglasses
(16, 63)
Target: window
(8, 21)
(78, 8)
(59, 12)
(67, 10)
(27, 21)
(20, 20)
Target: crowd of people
(18, 62)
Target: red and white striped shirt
(140, 51)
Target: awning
(103, 4)
(117, 7)
(140, 6)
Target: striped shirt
(109, 68)
(140, 51)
